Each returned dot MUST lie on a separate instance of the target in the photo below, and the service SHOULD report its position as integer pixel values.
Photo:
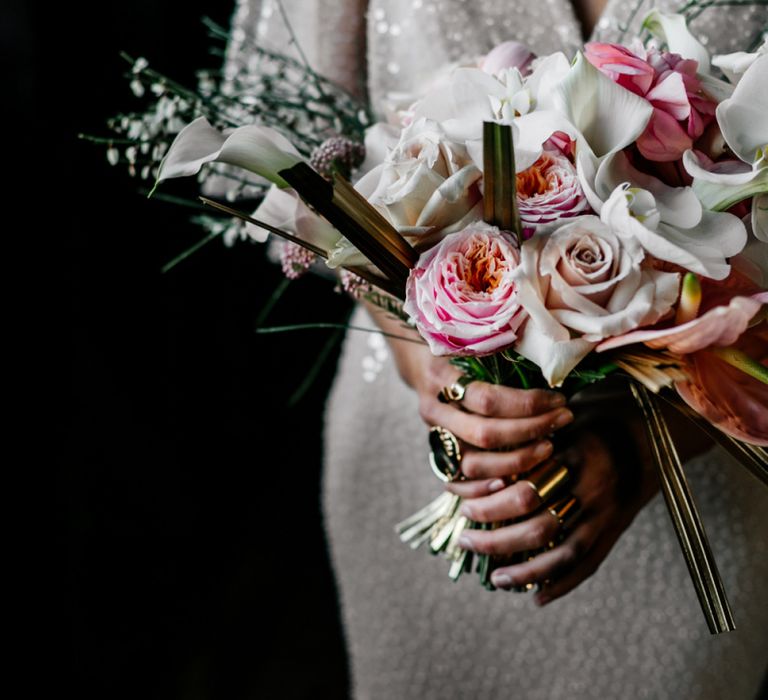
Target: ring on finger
(445, 455)
(454, 393)
(565, 511)
(548, 479)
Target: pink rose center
(483, 266)
(539, 178)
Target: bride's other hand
(609, 494)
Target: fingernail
(556, 400)
(466, 511)
(466, 542)
(542, 599)
(543, 449)
(563, 418)
(501, 580)
(496, 485)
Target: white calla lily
(673, 30)
(726, 184)
(743, 118)
(259, 149)
(734, 65)
(284, 209)
(609, 116)
(760, 218)
(744, 125)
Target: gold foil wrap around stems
(358, 221)
(685, 516)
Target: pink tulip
(510, 54)
(681, 109)
(622, 66)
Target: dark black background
(193, 559)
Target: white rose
(427, 184)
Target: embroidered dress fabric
(634, 629)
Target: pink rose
(461, 294)
(548, 192)
(584, 282)
(599, 282)
(681, 108)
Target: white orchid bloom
(743, 121)
(473, 96)
(259, 149)
(702, 248)
(671, 222)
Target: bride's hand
(489, 417)
(492, 417)
(609, 494)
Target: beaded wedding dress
(634, 629)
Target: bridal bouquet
(548, 221)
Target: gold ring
(445, 457)
(548, 479)
(565, 511)
(455, 392)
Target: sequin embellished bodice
(400, 43)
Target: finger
(475, 488)
(497, 401)
(481, 464)
(533, 533)
(493, 433)
(512, 502)
(582, 571)
(566, 583)
(550, 564)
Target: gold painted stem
(754, 458)
(685, 516)
(499, 179)
(368, 276)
